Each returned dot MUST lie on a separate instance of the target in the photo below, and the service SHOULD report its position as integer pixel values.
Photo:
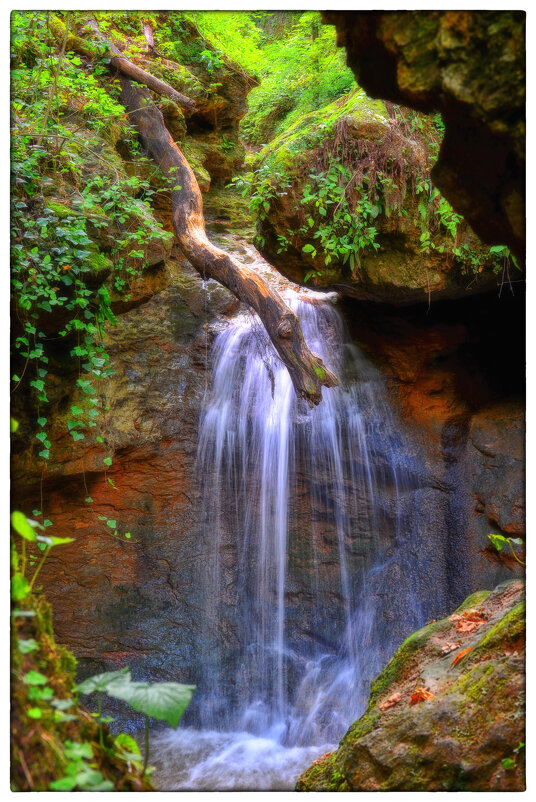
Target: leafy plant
(100, 683)
(165, 701)
(26, 529)
(499, 541)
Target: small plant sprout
(499, 541)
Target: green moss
(474, 600)
(507, 631)
(397, 665)
(311, 129)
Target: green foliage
(79, 773)
(499, 541)
(26, 528)
(64, 248)
(165, 701)
(101, 682)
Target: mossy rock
(468, 735)
(384, 257)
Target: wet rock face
(470, 65)
(447, 711)
(457, 377)
(133, 601)
(139, 601)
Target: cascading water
(307, 541)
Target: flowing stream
(307, 533)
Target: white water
(297, 504)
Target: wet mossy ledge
(447, 711)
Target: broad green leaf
(35, 678)
(14, 424)
(127, 744)
(35, 712)
(73, 749)
(101, 682)
(165, 701)
(37, 692)
(20, 587)
(63, 784)
(497, 540)
(27, 646)
(20, 524)
(60, 541)
(62, 704)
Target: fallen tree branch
(126, 67)
(148, 33)
(307, 371)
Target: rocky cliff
(470, 65)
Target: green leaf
(63, 784)
(27, 646)
(76, 410)
(62, 704)
(59, 715)
(88, 500)
(111, 524)
(45, 453)
(35, 678)
(61, 541)
(127, 743)
(40, 692)
(13, 424)
(107, 461)
(20, 524)
(73, 749)
(101, 682)
(20, 588)
(35, 712)
(47, 522)
(165, 701)
(41, 421)
(77, 435)
(498, 541)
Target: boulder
(345, 202)
(447, 711)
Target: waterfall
(308, 538)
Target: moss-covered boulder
(344, 201)
(447, 711)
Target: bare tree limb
(147, 29)
(307, 371)
(123, 65)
